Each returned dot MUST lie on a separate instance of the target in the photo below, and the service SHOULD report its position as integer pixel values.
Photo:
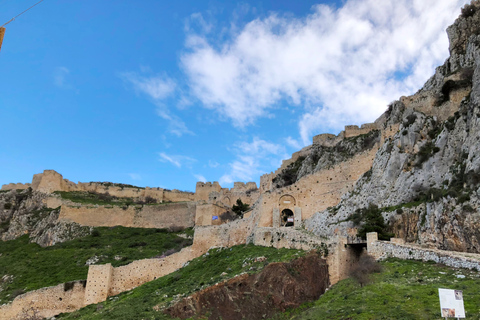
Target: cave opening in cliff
(287, 218)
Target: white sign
(290, 220)
(286, 201)
(451, 303)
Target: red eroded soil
(279, 286)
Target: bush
(240, 208)
(175, 228)
(410, 120)
(150, 200)
(468, 10)
(370, 220)
(426, 151)
(7, 206)
(365, 266)
(228, 216)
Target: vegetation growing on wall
(240, 208)
(27, 266)
(96, 198)
(118, 185)
(370, 219)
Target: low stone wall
(148, 216)
(387, 249)
(45, 302)
(285, 238)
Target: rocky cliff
(23, 212)
(426, 177)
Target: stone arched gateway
(288, 213)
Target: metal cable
(19, 14)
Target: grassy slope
(199, 273)
(35, 267)
(403, 290)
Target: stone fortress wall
(148, 216)
(50, 181)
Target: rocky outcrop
(278, 287)
(23, 212)
(427, 176)
(321, 157)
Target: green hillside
(27, 266)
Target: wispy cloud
(293, 143)
(252, 160)
(340, 66)
(60, 75)
(213, 164)
(135, 176)
(199, 177)
(177, 160)
(157, 89)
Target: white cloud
(158, 88)
(340, 66)
(199, 177)
(177, 160)
(213, 164)
(196, 20)
(293, 143)
(135, 176)
(60, 77)
(253, 159)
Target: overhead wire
(19, 14)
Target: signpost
(451, 303)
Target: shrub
(95, 233)
(370, 220)
(150, 200)
(175, 228)
(410, 120)
(468, 10)
(7, 206)
(240, 208)
(426, 151)
(365, 266)
(228, 216)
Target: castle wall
(16, 186)
(141, 271)
(387, 249)
(353, 131)
(178, 196)
(320, 190)
(205, 212)
(203, 189)
(99, 280)
(426, 102)
(50, 181)
(45, 302)
(147, 216)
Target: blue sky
(167, 93)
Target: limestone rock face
(430, 169)
(23, 212)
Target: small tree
(370, 220)
(240, 208)
(365, 266)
